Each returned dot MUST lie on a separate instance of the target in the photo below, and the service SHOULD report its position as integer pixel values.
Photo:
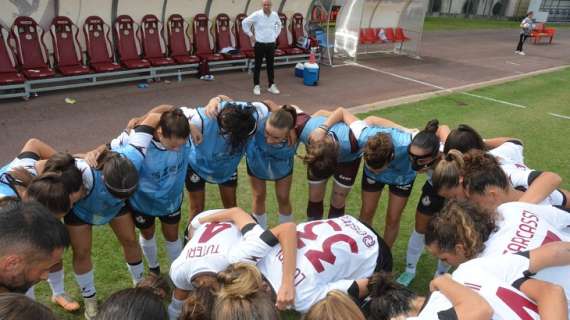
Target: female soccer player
(214, 244)
(270, 157)
(220, 133)
(161, 184)
(462, 231)
(108, 185)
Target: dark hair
(119, 174)
(284, 118)
(464, 139)
(199, 304)
(426, 139)
(460, 222)
(50, 190)
(321, 158)
(388, 298)
(133, 304)
(157, 283)
(448, 171)
(174, 124)
(31, 226)
(379, 151)
(482, 170)
(65, 164)
(15, 306)
(238, 123)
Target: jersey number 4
(213, 229)
(316, 257)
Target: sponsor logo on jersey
(426, 201)
(194, 178)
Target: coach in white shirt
(267, 26)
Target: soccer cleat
(256, 90)
(406, 278)
(90, 308)
(273, 89)
(66, 302)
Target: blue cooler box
(299, 69)
(311, 74)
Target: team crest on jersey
(370, 181)
(140, 219)
(426, 201)
(369, 241)
(194, 178)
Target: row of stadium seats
(24, 55)
(373, 35)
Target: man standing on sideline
(267, 26)
(32, 240)
(526, 28)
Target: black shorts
(71, 219)
(344, 174)
(371, 185)
(430, 202)
(196, 183)
(249, 173)
(384, 262)
(144, 221)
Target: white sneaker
(90, 308)
(522, 53)
(256, 90)
(517, 52)
(273, 89)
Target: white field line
(559, 115)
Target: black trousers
(262, 50)
(522, 39)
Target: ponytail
(284, 118)
(449, 170)
(64, 163)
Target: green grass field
(546, 148)
(461, 23)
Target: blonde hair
(241, 296)
(336, 305)
(449, 170)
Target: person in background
(527, 26)
(267, 25)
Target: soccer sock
(86, 284)
(442, 268)
(335, 212)
(136, 270)
(415, 248)
(56, 282)
(31, 293)
(315, 210)
(175, 308)
(261, 219)
(173, 249)
(149, 250)
(285, 218)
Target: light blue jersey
(269, 161)
(399, 171)
(99, 206)
(212, 159)
(7, 188)
(348, 146)
(161, 182)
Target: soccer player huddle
(499, 229)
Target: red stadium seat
(67, 52)
(31, 50)
(127, 45)
(8, 72)
(389, 32)
(223, 36)
(283, 39)
(99, 48)
(201, 36)
(297, 29)
(178, 42)
(400, 36)
(153, 45)
(243, 43)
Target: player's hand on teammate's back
(285, 296)
(196, 135)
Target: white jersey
(209, 250)
(521, 176)
(524, 227)
(495, 285)
(508, 152)
(331, 254)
